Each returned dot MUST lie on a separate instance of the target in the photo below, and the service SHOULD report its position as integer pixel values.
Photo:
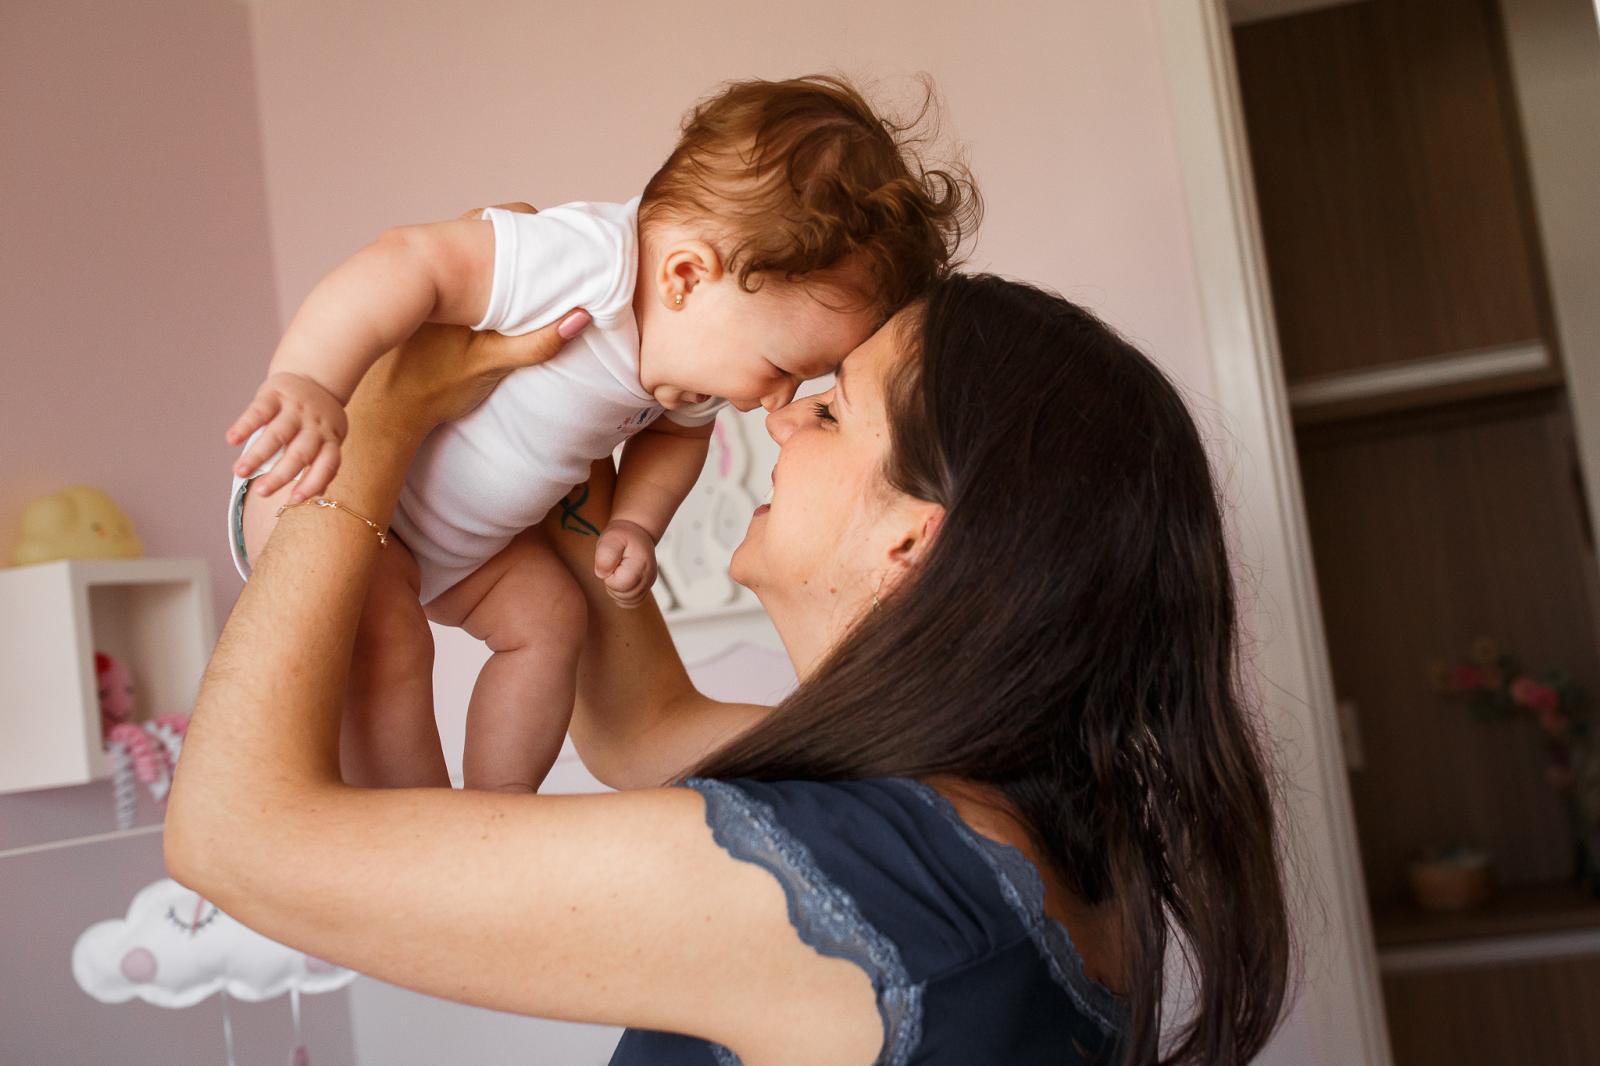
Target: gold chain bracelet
(325, 501)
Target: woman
(995, 557)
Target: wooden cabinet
(1393, 201)
(1529, 1013)
(1444, 497)
(1428, 530)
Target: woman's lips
(764, 508)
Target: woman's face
(819, 552)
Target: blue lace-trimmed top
(948, 924)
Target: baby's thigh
(522, 595)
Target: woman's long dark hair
(1070, 639)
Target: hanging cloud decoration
(175, 948)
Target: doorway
(1383, 194)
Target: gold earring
(875, 602)
(677, 299)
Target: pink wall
(136, 290)
(179, 195)
(375, 112)
(137, 286)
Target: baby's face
(753, 348)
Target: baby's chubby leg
(530, 612)
(388, 737)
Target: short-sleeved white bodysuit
(479, 481)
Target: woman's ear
(918, 532)
(684, 266)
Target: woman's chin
(741, 565)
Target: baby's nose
(777, 401)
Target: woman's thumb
(575, 323)
(502, 354)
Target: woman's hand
(442, 372)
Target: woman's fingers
(496, 353)
(442, 372)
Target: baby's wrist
(634, 523)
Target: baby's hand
(625, 559)
(305, 420)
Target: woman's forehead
(861, 373)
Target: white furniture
(153, 614)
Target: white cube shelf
(153, 614)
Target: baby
(787, 223)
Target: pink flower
(1522, 691)
(1544, 699)
(1467, 677)
(1552, 721)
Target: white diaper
(241, 485)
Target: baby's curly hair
(796, 177)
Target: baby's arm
(440, 272)
(659, 466)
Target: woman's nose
(781, 423)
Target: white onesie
(479, 481)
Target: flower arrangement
(1496, 687)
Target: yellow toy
(76, 523)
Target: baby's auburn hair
(796, 177)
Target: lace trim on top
(825, 916)
(1023, 890)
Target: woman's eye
(822, 412)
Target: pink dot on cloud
(139, 966)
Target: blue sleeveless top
(949, 925)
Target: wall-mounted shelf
(1423, 383)
(1514, 910)
(1522, 923)
(154, 614)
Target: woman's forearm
(630, 675)
(263, 743)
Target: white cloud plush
(174, 949)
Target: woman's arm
(639, 720)
(613, 908)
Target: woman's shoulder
(863, 862)
(895, 857)
(884, 871)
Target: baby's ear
(684, 266)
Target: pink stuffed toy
(147, 751)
